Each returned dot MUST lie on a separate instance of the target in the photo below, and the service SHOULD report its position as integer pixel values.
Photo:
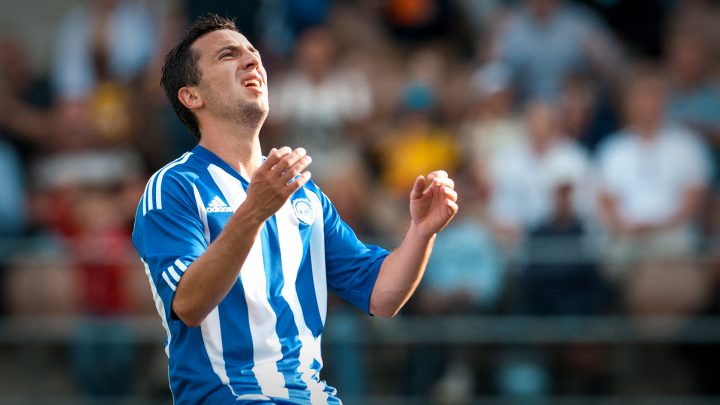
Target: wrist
(417, 232)
(249, 215)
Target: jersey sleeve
(352, 266)
(169, 240)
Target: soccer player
(240, 250)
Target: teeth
(253, 82)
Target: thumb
(418, 188)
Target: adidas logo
(217, 205)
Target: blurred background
(584, 137)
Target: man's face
(233, 81)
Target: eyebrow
(235, 48)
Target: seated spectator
(492, 124)
(694, 96)
(416, 144)
(100, 57)
(653, 176)
(586, 112)
(561, 275)
(25, 108)
(317, 102)
(521, 176)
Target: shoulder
(172, 183)
(681, 138)
(615, 143)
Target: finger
(296, 168)
(450, 193)
(418, 187)
(275, 155)
(453, 206)
(299, 182)
(435, 184)
(436, 174)
(288, 160)
(446, 181)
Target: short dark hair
(180, 67)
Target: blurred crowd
(584, 138)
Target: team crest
(303, 211)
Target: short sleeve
(352, 266)
(169, 240)
(696, 160)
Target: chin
(254, 112)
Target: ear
(190, 98)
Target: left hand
(433, 202)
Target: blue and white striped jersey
(263, 341)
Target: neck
(236, 144)
(646, 130)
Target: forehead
(216, 40)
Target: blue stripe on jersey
(287, 331)
(306, 294)
(235, 325)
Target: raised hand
(433, 202)
(276, 180)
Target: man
(240, 250)
(653, 176)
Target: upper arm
(352, 266)
(169, 240)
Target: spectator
(522, 188)
(545, 40)
(25, 115)
(492, 124)
(648, 200)
(561, 276)
(586, 112)
(101, 53)
(418, 141)
(318, 101)
(694, 98)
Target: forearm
(208, 280)
(400, 273)
(211, 277)
(691, 205)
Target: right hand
(276, 180)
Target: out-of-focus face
(316, 52)
(14, 67)
(645, 102)
(688, 57)
(233, 81)
(542, 124)
(542, 8)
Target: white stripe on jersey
(147, 201)
(291, 251)
(267, 350)
(167, 280)
(317, 256)
(202, 212)
(159, 306)
(158, 187)
(180, 265)
(212, 338)
(173, 273)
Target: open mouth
(251, 83)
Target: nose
(250, 60)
